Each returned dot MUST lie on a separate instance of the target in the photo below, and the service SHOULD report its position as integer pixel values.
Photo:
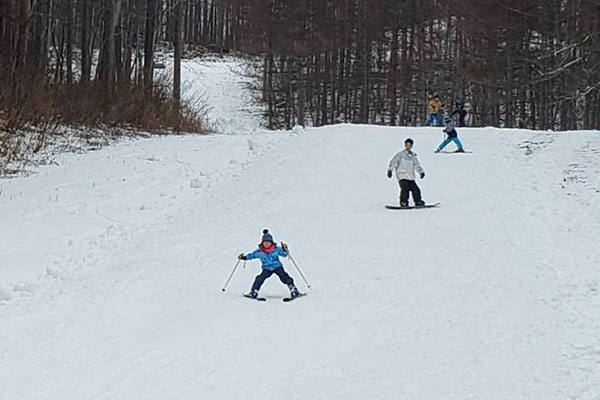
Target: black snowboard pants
(265, 274)
(406, 187)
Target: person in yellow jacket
(435, 111)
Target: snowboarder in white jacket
(407, 166)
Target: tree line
(90, 62)
(518, 63)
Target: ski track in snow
(494, 295)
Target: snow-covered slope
(226, 89)
(494, 295)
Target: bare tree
(151, 6)
(178, 44)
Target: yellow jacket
(435, 105)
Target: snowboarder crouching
(407, 165)
(268, 253)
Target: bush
(130, 106)
(32, 112)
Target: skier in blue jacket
(450, 130)
(268, 253)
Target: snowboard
(254, 298)
(288, 299)
(413, 207)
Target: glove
(390, 174)
(284, 246)
(422, 175)
(242, 257)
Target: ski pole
(231, 275)
(299, 271)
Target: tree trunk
(393, 73)
(69, 41)
(178, 39)
(86, 22)
(113, 19)
(149, 43)
(22, 49)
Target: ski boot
(404, 204)
(460, 151)
(420, 203)
(437, 151)
(294, 292)
(253, 294)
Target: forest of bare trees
(519, 63)
(90, 62)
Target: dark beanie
(267, 237)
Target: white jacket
(406, 163)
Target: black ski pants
(265, 274)
(408, 186)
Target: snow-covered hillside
(226, 89)
(111, 267)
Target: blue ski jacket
(270, 261)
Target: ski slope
(225, 89)
(112, 263)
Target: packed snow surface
(112, 263)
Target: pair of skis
(285, 299)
